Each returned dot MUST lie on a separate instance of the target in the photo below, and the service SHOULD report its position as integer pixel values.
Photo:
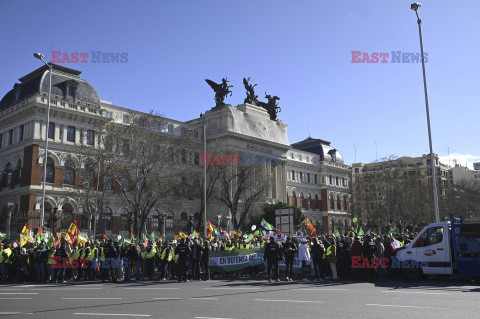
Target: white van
(444, 248)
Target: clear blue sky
(299, 50)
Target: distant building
(462, 174)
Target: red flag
(313, 232)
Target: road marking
(101, 298)
(285, 300)
(417, 292)
(16, 313)
(11, 289)
(167, 298)
(233, 288)
(323, 289)
(203, 298)
(400, 306)
(13, 298)
(211, 318)
(71, 288)
(18, 293)
(151, 288)
(109, 314)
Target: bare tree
(147, 166)
(240, 188)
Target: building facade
(310, 174)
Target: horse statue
(221, 91)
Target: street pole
(42, 214)
(415, 7)
(204, 181)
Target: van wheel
(414, 274)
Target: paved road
(238, 299)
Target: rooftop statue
(221, 91)
(271, 106)
(250, 87)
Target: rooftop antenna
(355, 149)
(448, 152)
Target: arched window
(69, 173)
(169, 220)
(294, 199)
(89, 174)
(309, 200)
(339, 203)
(332, 202)
(48, 207)
(345, 203)
(67, 216)
(19, 172)
(123, 219)
(184, 216)
(301, 199)
(155, 220)
(107, 218)
(7, 181)
(50, 170)
(318, 204)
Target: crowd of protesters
(331, 257)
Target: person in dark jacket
(110, 255)
(196, 259)
(289, 249)
(356, 253)
(184, 253)
(59, 262)
(369, 251)
(317, 250)
(41, 257)
(272, 254)
(206, 260)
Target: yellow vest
(50, 258)
(92, 253)
(164, 252)
(8, 251)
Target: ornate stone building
(310, 174)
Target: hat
(304, 240)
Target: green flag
(153, 236)
(256, 233)
(360, 232)
(50, 241)
(266, 225)
(127, 241)
(2, 236)
(249, 237)
(396, 230)
(336, 232)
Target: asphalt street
(239, 299)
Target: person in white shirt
(304, 256)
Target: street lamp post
(54, 219)
(40, 57)
(164, 220)
(219, 218)
(204, 181)
(414, 7)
